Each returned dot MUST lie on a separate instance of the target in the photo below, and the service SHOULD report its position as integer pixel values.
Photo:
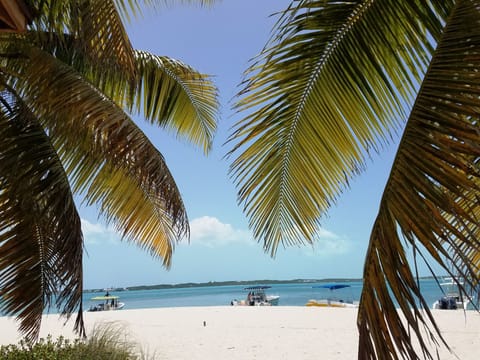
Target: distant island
(219, 283)
(227, 283)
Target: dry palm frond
(67, 83)
(40, 236)
(106, 156)
(430, 196)
(336, 80)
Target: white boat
(106, 303)
(452, 299)
(257, 297)
(333, 298)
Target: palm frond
(59, 120)
(330, 86)
(430, 201)
(108, 158)
(167, 92)
(96, 25)
(40, 233)
(127, 8)
(175, 96)
(104, 35)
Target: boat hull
(273, 299)
(269, 302)
(331, 303)
(100, 307)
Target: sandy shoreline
(279, 332)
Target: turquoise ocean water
(291, 294)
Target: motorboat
(257, 297)
(452, 299)
(334, 298)
(106, 303)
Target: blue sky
(220, 41)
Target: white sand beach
(252, 332)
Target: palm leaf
(78, 129)
(40, 234)
(103, 151)
(167, 92)
(104, 36)
(134, 7)
(328, 88)
(178, 97)
(430, 196)
(96, 25)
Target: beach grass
(107, 341)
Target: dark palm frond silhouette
(70, 80)
(336, 81)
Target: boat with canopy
(257, 297)
(106, 302)
(334, 298)
(452, 298)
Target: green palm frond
(104, 35)
(431, 195)
(71, 77)
(167, 92)
(127, 8)
(96, 25)
(329, 88)
(40, 234)
(337, 78)
(107, 157)
(176, 96)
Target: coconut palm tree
(69, 83)
(336, 82)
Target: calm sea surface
(296, 294)
(290, 295)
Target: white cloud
(96, 233)
(328, 243)
(326, 234)
(209, 231)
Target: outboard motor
(452, 304)
(447, 303)
(443, 303)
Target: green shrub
(107, 342)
